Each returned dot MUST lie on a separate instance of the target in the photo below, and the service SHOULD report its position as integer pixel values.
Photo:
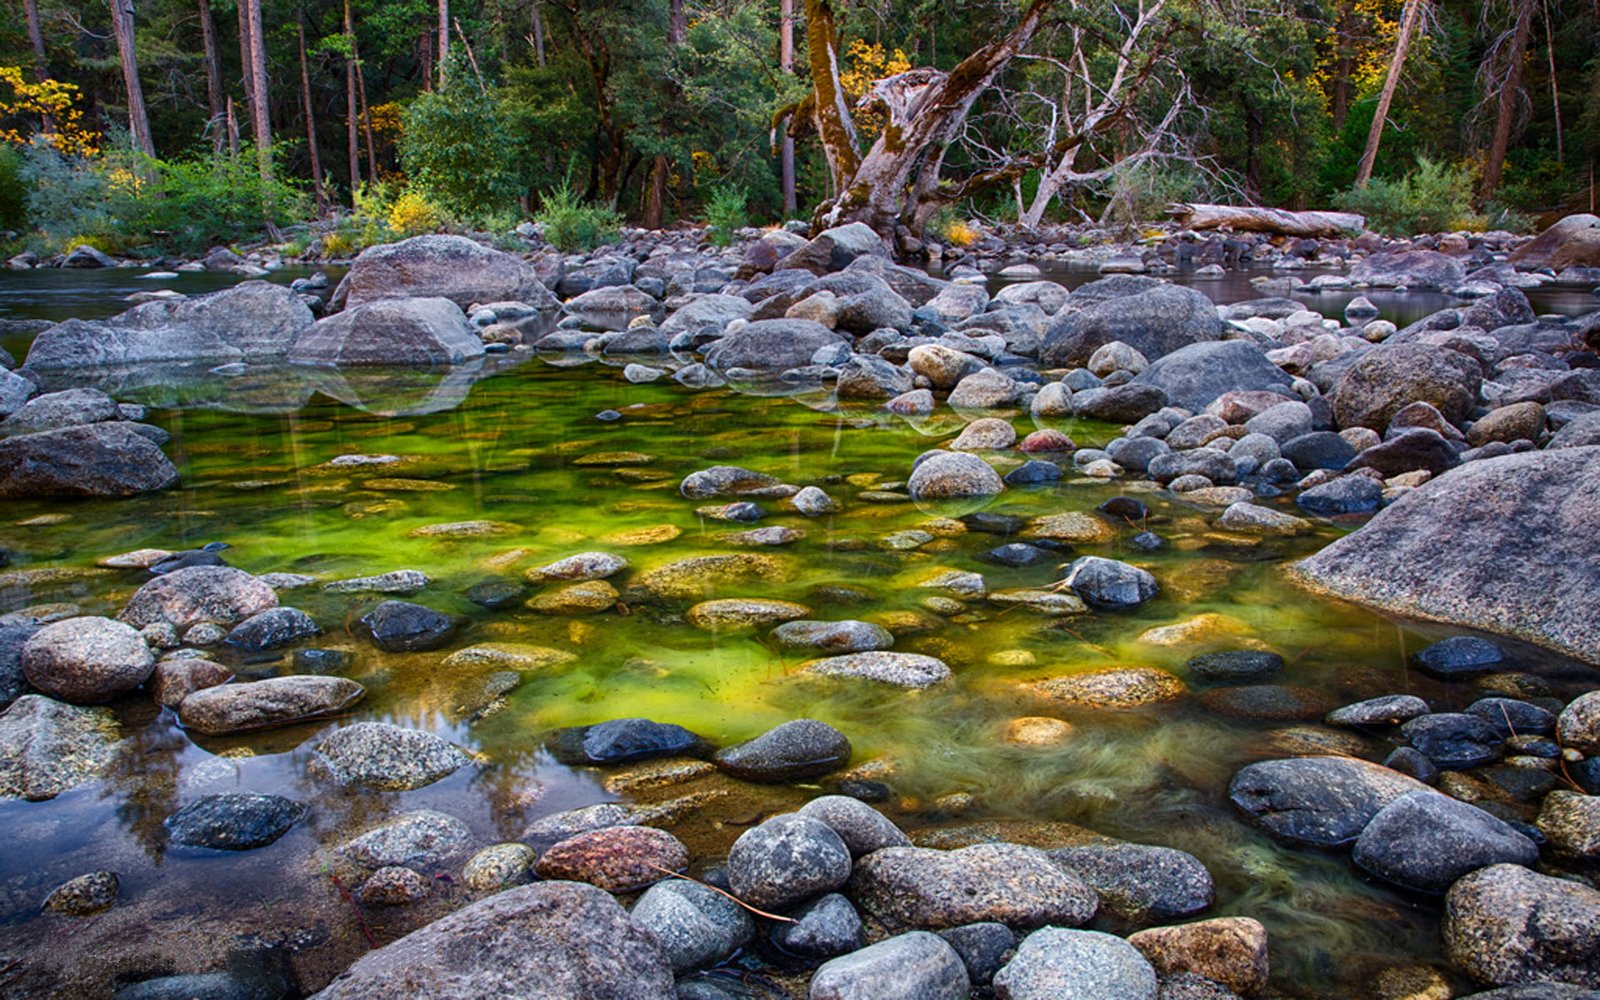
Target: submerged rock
(386, 758)
(47, 747)
(907, 670)
(793, 751)
(552, 940)
(834, 637)
(1112, 687)
(233, 821)
(623, 741)
(85, 895)
(402, 627)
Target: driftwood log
(1244, 218)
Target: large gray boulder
(1193, 377)
(1389, 378)
(14, 392)
(1054, 963)
(771, 345)
(55, 410)
(450, 267)
(709, 314)
(1572, 242)
(549, 941)
(1411, 268)
(1155, 322)
(110, 459)
(912, 966)
(47, 747)
(1425, 841)
(1009, 883)
(416, 332)
(1504, 545)
(834, 249)
(1317, 801)
(252, 321)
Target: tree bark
(786, 66)
(260, 116)
(1408, 26)
(1506, 113)
(361, 92)
(351, 115)
(444, 39)
(216, 96)
(538, 34)
(655, 206)
(138, 119)
(1245, 218)
(898, 182)
(318, 191)
(41, 61)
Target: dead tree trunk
(351, 115)
(138, 119)
(260, 117)
(444, 40)
(897, 182)
(317, 189)
(786, 66)
(1510, 95)
(1408, 26)
(216, 96)
(538, 33)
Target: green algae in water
(525, 455)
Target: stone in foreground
(1317, 801)
(1009, 883)
(276, 701)
(1054, 963)
(914, 966)
(94, 460)
(1506, 925)
(550, 941)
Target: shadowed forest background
(174, 124)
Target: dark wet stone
(1141, 883)
(1059, 964)
(1017, 554)
(1459, 656)
(1318, 450)
(85, 895)
(1125, 509)
(273, 628)
(1345, 495)
(994, 524)
(1508, 925)
(1316, 801)
(1425, 841)
(12, 682)
(913, 966)
(207, 986)
(1454, 740)
(696, 925)
(1009, 883)
(209, 555)
(1147, 541)
(1272, 702)
(803, 748)
(826, 927)
(787, 860)
(1511, 717)
(402, 627)
(111, 459)
(1419, 448)
(495, 593)
(386, 758)
(233, 821)
(556, 940)
(1032, 472)
(321, 661)
(1413, 762)
(1108, 584)
(1235, 665)
(622, 741)
(983, 948)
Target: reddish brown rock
(615, 859)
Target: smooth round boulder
(623, 741)
(1141, 883)
(1317, 801)
(1054, 963)
(550, 940)
(787, 860)
(862, 828)
(403, 627)
(86, 661)
(1008, 883)
(793, 751)
(1506, 925)
(1424, 841)
(222, 595)
(233, 821)
(1108, 584)
(276, 701)
(833, 637)
(823, 928)
(954, 476)
(1227, 950)
(696, 925)
(916, 966)
(386, 758)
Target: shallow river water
(518, 445)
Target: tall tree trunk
(260, 116)
(1408, 26)
(366, 113)
(138, 120)
(233, 132)
(247, 54)
(786, 66)
(655, 206)
(317, 189)
(444, 39)
(538, 33)
(1555, 90)
(1506, 114)
(350, 113)
(216, 96)
(1343, 66)
(41, 62)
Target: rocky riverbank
(1462, 450)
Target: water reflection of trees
(144, 777)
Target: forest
(175, 124)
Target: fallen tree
(1247, 218)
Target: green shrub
(572, 226)
(1142, 192)
(1433, 198)
(13, 189)
(727, 212)
(458, 149)
(66, 197)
